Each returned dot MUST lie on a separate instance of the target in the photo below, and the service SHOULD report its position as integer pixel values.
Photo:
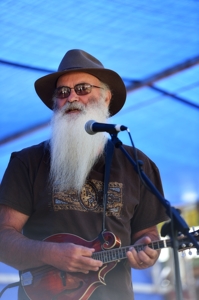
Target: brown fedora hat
(81, 61)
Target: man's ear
(108, 97)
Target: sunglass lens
(83, 89)
(62, 92)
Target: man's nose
(73, 96)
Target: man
(56, 187)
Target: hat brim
(46, 85)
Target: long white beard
(73, 150)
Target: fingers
(75, 258)
(85, 264)
(83, 260)
(143, 258)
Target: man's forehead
(76, 76)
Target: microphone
(93, 127)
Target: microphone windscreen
(88, 127)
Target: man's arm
(147, 257)
(22, 253)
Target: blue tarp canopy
(153, 45)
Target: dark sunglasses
(80, 89)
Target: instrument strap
(108, 160)
(11, 285)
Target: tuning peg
(190, 252)
(183, 254)
(180, 234)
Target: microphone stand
(177, 223)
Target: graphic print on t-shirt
(91, 198)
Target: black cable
(138, 162)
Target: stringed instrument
(49, 283)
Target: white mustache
(73, 106)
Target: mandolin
(49, 283)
